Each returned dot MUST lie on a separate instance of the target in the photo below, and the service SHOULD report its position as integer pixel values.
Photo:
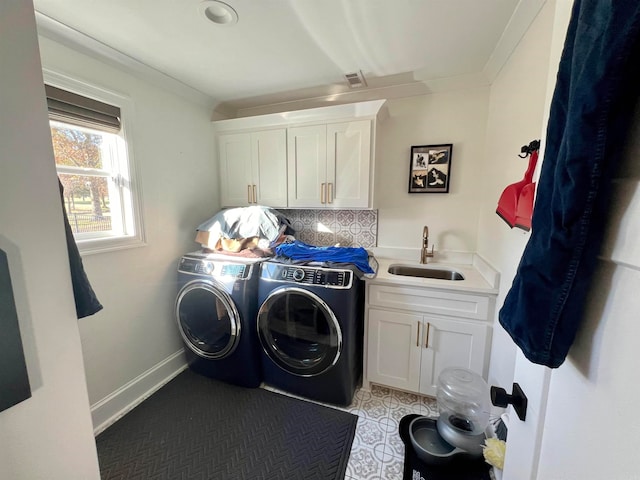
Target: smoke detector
(356, 80)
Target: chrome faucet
(425, 253)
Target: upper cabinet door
(269, 154)
(253, 168)
(348, 164)
(307, 160)
(234, 153)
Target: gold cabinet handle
(330, 199)
(426, 344)
(323, 191)
(249, 194)
(255, 195)
(418, 337)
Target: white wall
(516, 112)
(591, 429)
(173, 149)
(456, 117)
(48, 436)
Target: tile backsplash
(349, 228)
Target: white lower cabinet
(450, 343)
(408, 350)
(394, 349)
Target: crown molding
(522, 18)
(369, 109)
(324, 98)
(452, 84)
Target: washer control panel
(199, 266)
(326, 277)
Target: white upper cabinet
(307, 150)
(253, 168)
(349, 164)
(269, 154)
(315, 158)
(330, 165)
(234, 152)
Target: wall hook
(529, 149)
(500, 398)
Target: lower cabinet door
(394, 348)
(450, 343)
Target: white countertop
(474, 281)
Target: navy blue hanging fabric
(86, 301)
(596, 89)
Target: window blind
(76, 109)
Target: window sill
(102, 245)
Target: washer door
(299, 332)
(208, 319)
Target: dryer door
(299, 332)
(208, 319)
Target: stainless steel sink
(425, 272)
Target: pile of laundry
(245, 231)
(259, 232)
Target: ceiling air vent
(355, 80)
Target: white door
(269, 154)
(307, 166)
(394, 348)
(525, 437)
(348, 164)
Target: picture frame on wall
(430, 168)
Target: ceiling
(286, 50)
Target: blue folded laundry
(298, 250)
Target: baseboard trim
(114, 406)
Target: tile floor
(377, 451)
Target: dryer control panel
(327, 277)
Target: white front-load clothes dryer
(216, 314)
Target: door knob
(500, 398)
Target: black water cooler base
(416, 469)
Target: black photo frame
(430, 168)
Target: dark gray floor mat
(198, 428)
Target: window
(94, 166)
